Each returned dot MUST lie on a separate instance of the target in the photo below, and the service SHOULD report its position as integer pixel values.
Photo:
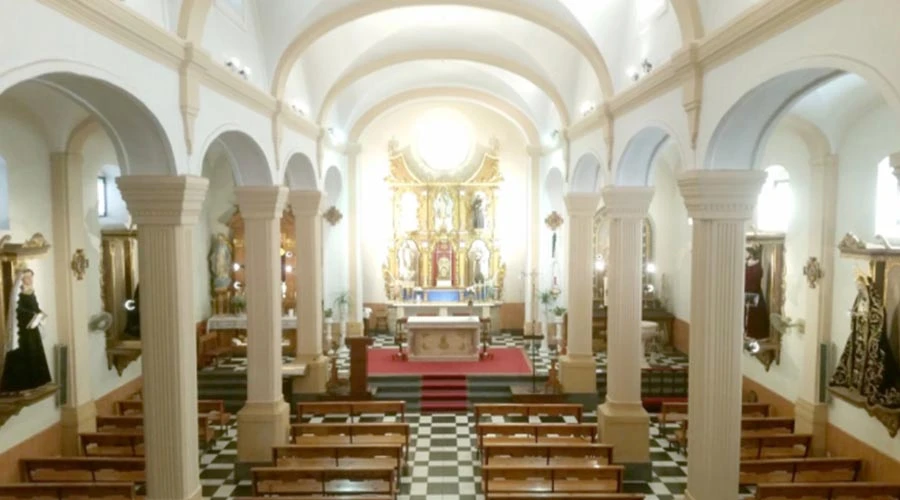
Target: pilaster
(71, 305)
(578, 367)
(720, 202)
(165, 209)
(307, 207)
(354, 267)
(264, 421)
(532, 257)
(622, 419)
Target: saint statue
(409, 263)
(26, 364)
(443, 212)
(757, 314)
(220, 263)
(478, 212)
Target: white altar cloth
(443, 338)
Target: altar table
(399, 310)
(443, 338)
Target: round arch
(362, 71)
(740, 135)
(578, 38)
(491, 101)
(333, 184)
(141, 143)
(587, 176)
(300, 173)
(249, 164)
(636, 163)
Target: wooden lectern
(359, 367)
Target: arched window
(775, 206)
(887, 202)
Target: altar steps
(444, 393)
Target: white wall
(230, 33)
(163, 13)
(27, 155)
(375, 201)
(335, 238)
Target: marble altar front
(443, 338)
(410, 310)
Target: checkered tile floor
(505, 339)
(442, 463)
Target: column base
(75, 420)
(812, 418)
(626, 427)
(578, 373)
(355, 329)
(316, 377)
(260, 426)
(197, 495)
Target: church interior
(450, 250)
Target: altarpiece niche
(443, 230)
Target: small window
(775, 206)
(102, 208)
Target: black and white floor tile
(442, 463)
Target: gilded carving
(813, 272)
(79, 264)
(333, 215)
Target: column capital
(261, 202)
(721, 194)
(306, 201)
(627, 202)
(163, 199)
(582, 203)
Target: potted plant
(238, 303)
(558, 313)
(328, 313)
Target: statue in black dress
(26, 364)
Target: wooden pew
(506, 433)
(535, 455)
(354, 410)
(65, 491)
(118, 423)
(323, 481)
(122, 443)
(775, 446)
(83, 469)
(750, 426)
(551, 479)
(528, 410)
(675, 413)
(321, 497)
(377, 433)
(565, 496)
(339, 455)
(213, 409)
(828, 491)
(800, 470)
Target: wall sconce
(637, 73)
(651, 268)
(288, 268)
(235, 267)
(234, 64)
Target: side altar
(444, 253)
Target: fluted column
(532, 255)
(720, 202)
(79, 412)
(623, 421)
(264, 420)
(165, 209)
(578, 367)
(354, 264)
(307, 207)
(812, 413)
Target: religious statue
(220, 263)
(443, 212)
(478, 211)
(757, 312)
(26, 365)
(409, 262)
(133, 315)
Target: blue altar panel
(444, 295)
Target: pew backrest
(83, 469)
(337, 455)
(62, 491)
(352, 410)
(536, 433)
(775, 446)
(549, 454)
(565, 496)
(528, 410)
(123, 443)
(829, 491)
(800, 470)
(674, 412)
(323, 480)
(559, 479)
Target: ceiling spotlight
(233, 62)
(647, 66)
(651, 267)
(633, 73)
(587, 107)
(246, 72)
(299, 107)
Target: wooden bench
(353, 410)
(323, 481)
(122, 443)
(497, 434)
(551, 479)
(339, 455)
(376, 433)
(321, 497)
(533, 455)
(775, 446)
(528, 410)
(118, 423)
(675, 413)
(828, 491)
(65, 491)
(564, 496)
(212, 409)
(83, 469)
(800, 470)
(750, 426)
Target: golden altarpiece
(118, 285)
(444, 245)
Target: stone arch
(333, 185)
(587, 176)
(141, 143)
(249, 164)
(300, 173)
(740, 135)
(636, 163)
(689, 20)
(511, 112)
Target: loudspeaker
(826, 363)
(61, 365)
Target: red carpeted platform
(444, 393)
(506, 361)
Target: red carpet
(444, 393)
(506, 361)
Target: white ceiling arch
(366, 92)
(479, 97)
(547, 15)
(368, 68)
